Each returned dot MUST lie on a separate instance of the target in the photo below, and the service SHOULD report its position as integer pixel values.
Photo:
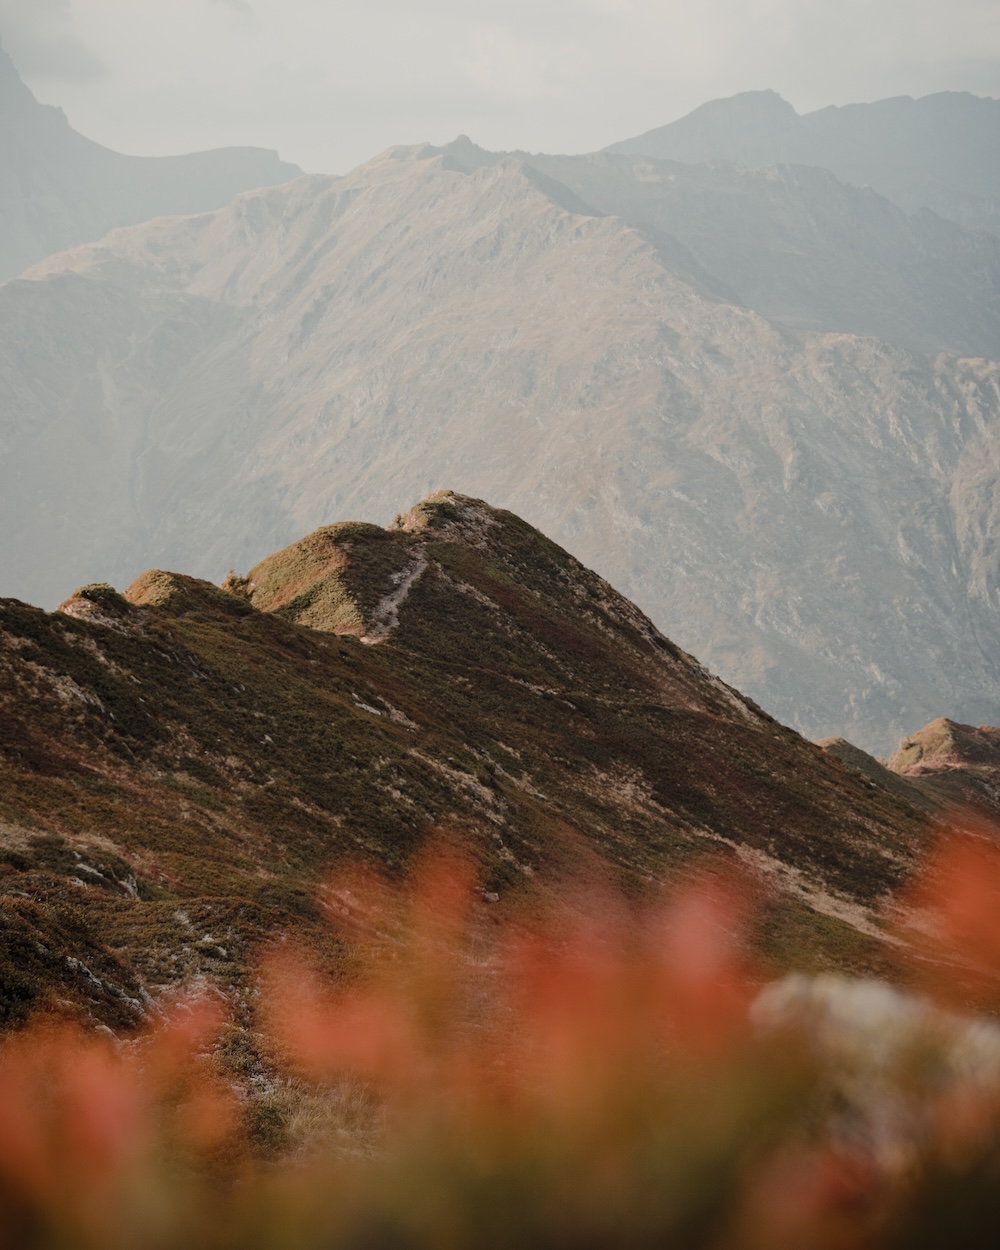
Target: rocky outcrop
(956, 765)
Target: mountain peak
(725, 129)
(336, 579)
(15, 97)
(765, 104)
(355, 578)
(954, 763)
(936, 152)
(945, 743)
(450, 514)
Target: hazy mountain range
(762, 402)
(939, 152)
(58, 189)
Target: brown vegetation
(588, 1076)
(179, 768)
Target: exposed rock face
(184, 769)
(812, 513)
(955, 764)
(58, 189)
(939, 152)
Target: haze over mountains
(58, 189)
(938, 152)
(762, 402)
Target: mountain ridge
(796, 245)
(181, 769)
(935, 152)
(59, 189)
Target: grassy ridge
(214, 754)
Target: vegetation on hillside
(182, 765)
(598, 1073)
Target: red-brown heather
(593, 1073)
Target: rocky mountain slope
(181, 766)
(798, 246)
(58, 189)
(949, 770)
(812, 513)
(938, 152)
(954, 765)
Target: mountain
(879, 773)
(58, 189)
(803, 249)
(811, 512)
(954, 764)
(938, 152)
(181, 766)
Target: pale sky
(330, 83)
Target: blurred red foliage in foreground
(598, 1077)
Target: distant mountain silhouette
(940, 152)
(58, 189)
